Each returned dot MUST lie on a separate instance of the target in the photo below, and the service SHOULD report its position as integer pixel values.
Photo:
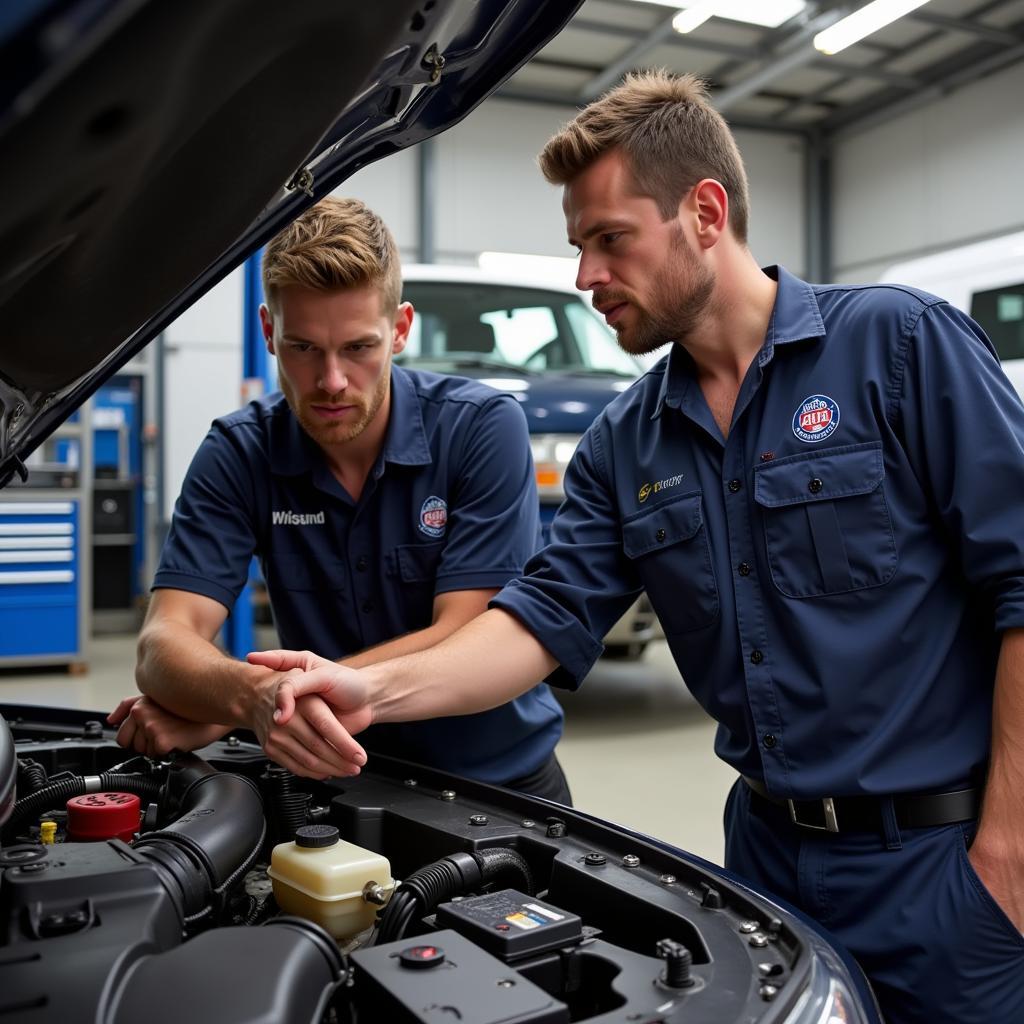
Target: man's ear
(403, 324)
(707, 204)
(267, 327)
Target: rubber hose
(31, 776)
(498, 861)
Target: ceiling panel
(805, 81)
(920, 57)
(576, 47)
(683, 58)
(544, 78)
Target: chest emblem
(815, 419)
(434, 516)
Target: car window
(1000, 312)
(459, 325)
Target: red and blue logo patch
(815, 419)
(434, 516)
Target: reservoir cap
(315, 836)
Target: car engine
(217, 887)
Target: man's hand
(310, 740)
(304, 675)
(1001, 869)
(149, 729)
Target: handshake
(303, 709)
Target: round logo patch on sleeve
(816, 419)
(434, 516)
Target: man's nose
(332, 377)
(592, 273)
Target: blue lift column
(257, 380)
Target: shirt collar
(293, 452)
(795, 317)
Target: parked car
(547, 347)
(147, 149)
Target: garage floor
(637, 749)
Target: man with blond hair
(386, 506)
(820, 488)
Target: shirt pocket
(668, 546)
(415, 566)
(826, 521)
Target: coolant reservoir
(324, 879)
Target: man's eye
(299, 346)
(610, 237)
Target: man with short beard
(820, 488)
(386, 506)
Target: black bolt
(556, 829)
(594, 859)
(711, 898)
(478, 819)
(92, 730)
(678, 961)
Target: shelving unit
(45, 555)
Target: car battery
(510, 924)
(445, 976)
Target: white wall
(491, 196)
(944, 175)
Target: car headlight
(551, 456)
(829, 998)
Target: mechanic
(386, 506)
(821, 490)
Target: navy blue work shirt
(834, 576)
(451, 504)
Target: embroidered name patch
(434, 516)
(816, 419)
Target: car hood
(559, 403)
(146, 148)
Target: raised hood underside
(146, 148)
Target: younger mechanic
(386, 507)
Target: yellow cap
(47, 831)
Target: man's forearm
(192, 678)
(488, 662)
(998, 850)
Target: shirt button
(814, 486)
(660, 535)
(756, 656)
(362, 563)
(367, 607)
(734, 486)
(769, 740)
(743, 569)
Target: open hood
(146, 148)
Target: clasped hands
(304, 714)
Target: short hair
(671, 137)
(336, 243)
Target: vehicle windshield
(473, 325)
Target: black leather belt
(864, 813)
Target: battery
(510, 924)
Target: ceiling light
(768, 13)
(862, 23)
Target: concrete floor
(637, 749)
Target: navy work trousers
(935, 945)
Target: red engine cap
(98, 816)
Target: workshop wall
(491, 196)
(944, 175)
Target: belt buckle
(828, 808)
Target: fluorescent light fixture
(862, 23)
(768, 13)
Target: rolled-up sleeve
(963, 425)
(581, 583)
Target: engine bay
(218, 887)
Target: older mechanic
(386, 506)
(821, 490)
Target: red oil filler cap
(98, 816)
